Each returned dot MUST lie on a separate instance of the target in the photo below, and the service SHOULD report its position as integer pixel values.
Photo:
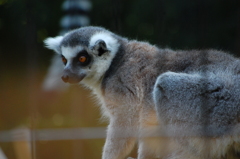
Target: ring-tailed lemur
(176, 104)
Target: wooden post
(21, 143)
(22, 149)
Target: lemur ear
(101, 47)
(54, 43)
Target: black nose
(65, 78)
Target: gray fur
(80, 36)
(151, 95)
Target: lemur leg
(182, 87)
(174, 93)
(119, 142)
(150, 143)
(148, 148)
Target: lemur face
(86, 53)
(77, 61)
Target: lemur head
(86, 53)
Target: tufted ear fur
(101, 47)
(54, 43)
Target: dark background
(24, 24)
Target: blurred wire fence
(169, 23)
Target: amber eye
(82, 59)
(64, 60)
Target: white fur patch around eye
(111, 42)
(54, 43)
(71, 52)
